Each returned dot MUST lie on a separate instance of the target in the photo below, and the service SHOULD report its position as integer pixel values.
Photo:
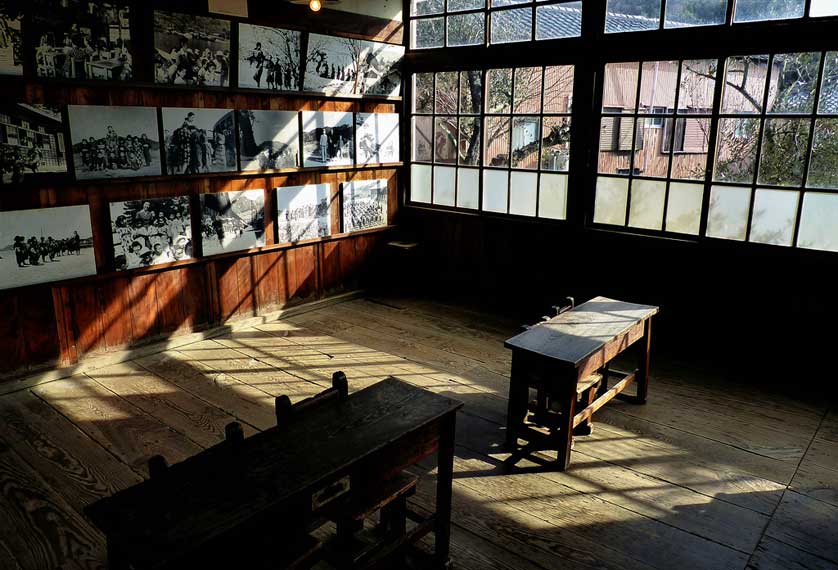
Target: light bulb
(314, 5)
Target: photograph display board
(364, 204)
(198, 141)
(191, 50)
(31, 141)
(150, 232)
(269, 140)
(327, 139)
(232, 221)
(269, 58)
(376, 138)
(302, 212)
(347, 66)
(11, 41)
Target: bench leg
(644, 365)
(517, 406)
(588, 398)
(564, 435)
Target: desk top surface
(575, 335)
(221, 485)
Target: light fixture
(314, 5)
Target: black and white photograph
(269, 140)
(364, 204)
(198, 141)
(328, 139)
(11, 40)
(191, 50)
(232, 221)
(302, 212)
(150, 232)
(347, 66)
(269, 58)
(114, 142)
(82, 39)
(31, 141)
(377, 138)
(44, 245)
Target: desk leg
(444, 482)
(115, 559)
(564, 437)
(643, 367)
(517, 407)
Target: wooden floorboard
(712, 473)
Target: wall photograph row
(92, 40)
(53, 244)
(126, 142)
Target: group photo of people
(114, 142)
(328, 138)
(199, 141)
(151, 232)
(339, 66)
(49, 244)
(83, 39)
(269, 58)
(364, 204)
(232, 221)
(302, 212)
(191, 50)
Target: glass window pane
(512, 26)
(422, 139)
(683, 212)
(444, 188)
(558, 21)
(468, 188)
(496, 140)
(611, 201)
(469, 149)
(471, 92)
(652, 155)
(784, 146)
(818, 229)
(500, 90)
(552, 196)
(684, 13)
(446, 93)
(620, 88)
(632, 15)
(657, 87)
(466, 29)
(615, 144)
(420, 183)
(525, 135)
(495, 190)
(496, 3)
(555, 144)
(423, 93)
(445, 140)
(823, 166)
(698, 84)
(458, 5)
(527, 90)
(729, 209)
(558, 89)
(647, 200)
(829, 89)
(692, 139)
(744, 86)
(523, 193)
(794, 78)
(755, 10)
(428, 33)
(823, 8)
(775, 213)
(425, 7)
(736, 153)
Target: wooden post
(644, 365)
(282, 409)
(341, 384)
(517, 406)
(444, 483)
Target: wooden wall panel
(117, 321)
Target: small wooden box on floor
(566, 358)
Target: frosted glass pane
(522, 193)
(758, 10)
(552, 196)
(685, 13)
(824, 8)
(647, 199)
(611, 201)
(683, 214)
(444, 189)
(775, 212)
(818, 229)
(512, 26)
(729, 208)
(495, 190)
(468, 188)
(420, 183)
(633, 16)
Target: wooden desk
(290, 474)
(558, 355)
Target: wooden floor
(711, 474)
